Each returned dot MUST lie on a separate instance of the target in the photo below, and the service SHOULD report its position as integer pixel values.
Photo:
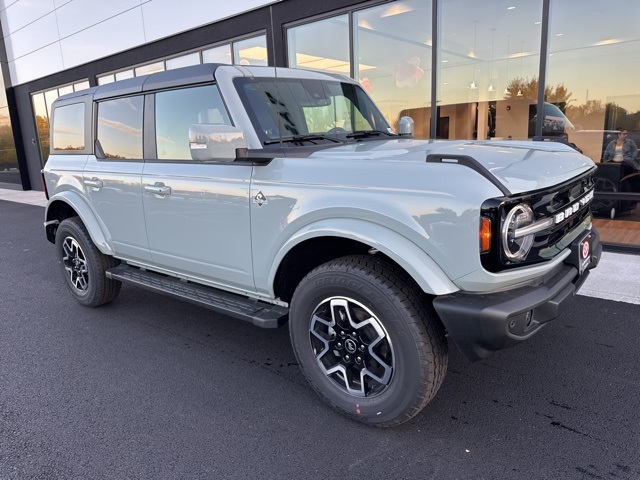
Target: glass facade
(8, 158)
(487, 78)
(391, 61)
(591, 64)
(250, 51)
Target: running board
(259, 313)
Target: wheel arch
(320, 242)
(69, 204)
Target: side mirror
(405, 127)
(213, 142)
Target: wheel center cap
(350, 346)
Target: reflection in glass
(328, 110)
(489, 63)
(252, 51)
(103, 80)
(151, 68)
(392, 53)
(8, 157)
(331, 54)
(50, 97)
(120, 127)
(68, 127)
(42, 124)
(177, 110)
(64, 90)
(80, 86)
(589, 75)
(3, 95)
(124, 74)
(592, 75)
(221, 54)
(183, 61)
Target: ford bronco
(284, 196)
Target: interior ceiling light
(396, 9)
(473, 85)
(491, 88)
(331, 64)
(611, 41)
(254, 53)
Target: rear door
(112, 177)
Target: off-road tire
(414, 339)
(83, 266)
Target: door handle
(95, 183)
(159, 189)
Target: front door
(197, 218)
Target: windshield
(308, 110)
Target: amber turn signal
(485, 234)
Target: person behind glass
(623, 149)
(565, 137)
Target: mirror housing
(405, 127)
(214, 142)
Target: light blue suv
(277, 195)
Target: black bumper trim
(481, 324)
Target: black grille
(548, 203)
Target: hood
(518, 166)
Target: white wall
(46, 36)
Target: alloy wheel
(351, 346)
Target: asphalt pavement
(153, 388)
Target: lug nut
(339, 345)
(362, 347)
(359, 359)
(347, 358)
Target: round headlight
(516, 249)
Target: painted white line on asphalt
(617, 277)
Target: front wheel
(84, 266)
(367, 340)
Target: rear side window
(68, 127)
(177, 110)
(120, 127)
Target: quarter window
(120, 127)
(177, 110)
(68, 127)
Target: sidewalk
(616, 278)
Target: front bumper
(481, 324)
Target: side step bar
(259, 313)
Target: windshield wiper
(369, 133)
(301, 138)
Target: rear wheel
(367, 340)
(84, 266)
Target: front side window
(284, 107)
(68, 127)
(177, 110)
(120, 127)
